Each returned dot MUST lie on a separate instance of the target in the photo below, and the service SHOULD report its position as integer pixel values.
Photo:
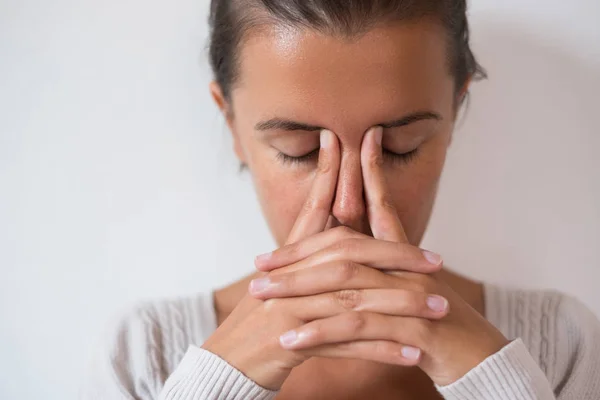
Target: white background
(117, 182)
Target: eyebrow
(289, 125)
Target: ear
(464, 90)
(219, 99)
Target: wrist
(258, 366)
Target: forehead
(332, 81)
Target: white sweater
(154, 353)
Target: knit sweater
(154, 353)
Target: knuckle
(272, 305)
(318, 332)
(349, 299)
(346, 271)
(314, 203)
(423, 283)
(386, 205)
(406, 299)
(375, 160)
(424, 332)
(293, 250)
(324, 165)
(355, 321)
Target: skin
(383, 76)
(348, 279)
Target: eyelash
(404, 158)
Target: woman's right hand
(249, 338)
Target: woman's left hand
(451, 346)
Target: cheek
(281, 190)
(414, 189)
(281, 196)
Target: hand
(401, 310)
(249, 338)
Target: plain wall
(117, 182)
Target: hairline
(268, 23)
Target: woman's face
(293, 83)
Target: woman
(343, 113)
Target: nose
(349, 205)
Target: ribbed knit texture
(203, 375)
(154, 353)
(509, 374)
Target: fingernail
(433, 258)
(326, 139)
(263, 258)
(411, 353)
(288, 338)
(437, 303)
(259, 285)
(378, 132)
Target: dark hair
(231, 19)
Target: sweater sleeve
(579, 339)
(202, 375)
(512, 373)
(125, 364)
(140, 358)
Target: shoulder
(578, 347)
(518, 311)
(164, 330)
(560, 332)
(576, 318)
(144, 345)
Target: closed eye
(403, 158)
(308, 157)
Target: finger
(377, 254)
(383, 218)
(398, 302)
(297, 251)
(358, 326)
(370, 350)
(317, 208)
(329, 277)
